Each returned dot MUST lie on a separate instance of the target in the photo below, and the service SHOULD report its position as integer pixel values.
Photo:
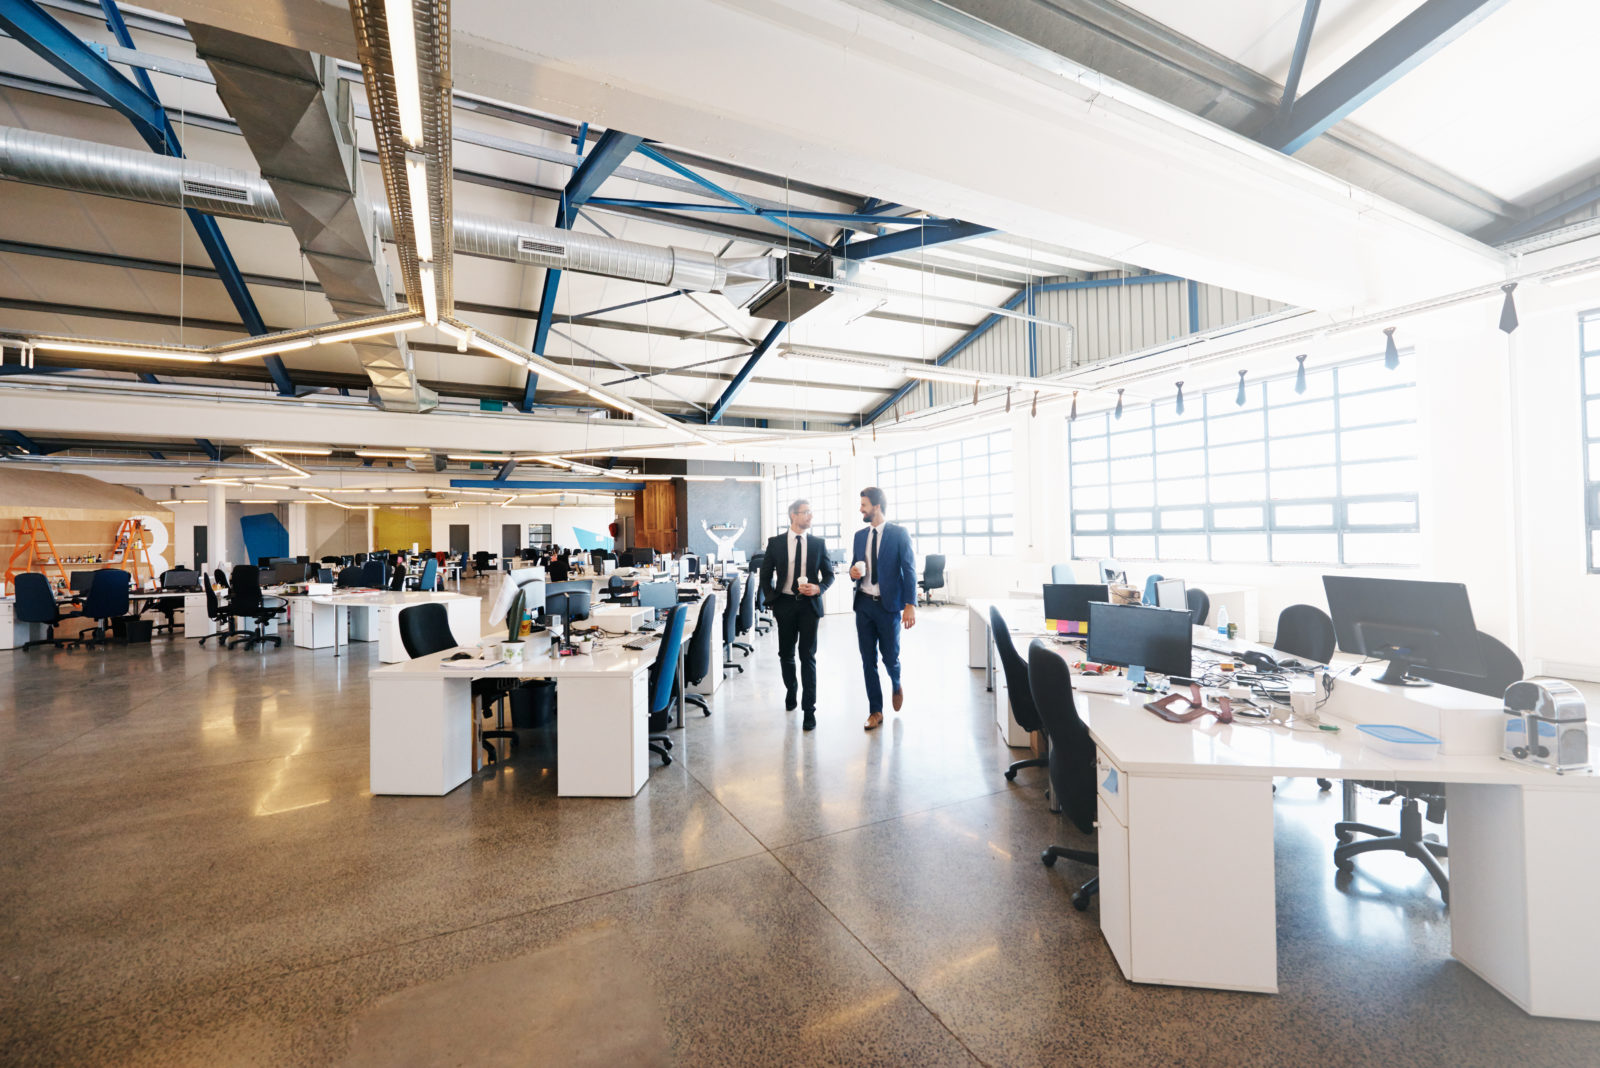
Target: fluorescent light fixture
(477, 456)
(1577, 273)
(713, 478)
(430, 299)
(368, 331)
(266, 349)
(390, 454)
(403, 60)
(217, 480)
(292, 450)
(421, 213)
(94, 348)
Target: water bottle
(1222, 621)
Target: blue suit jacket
(897, 565)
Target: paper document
(470, 664)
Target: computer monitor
(691, 566)
(658, 594)
(1111, 571)
(741, 557)
(1406, 621)
(568, 604)
(1156, 639)
(1172, 593)
(1066, 607)
(80, 581)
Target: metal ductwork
(128, 174)
(296, 114)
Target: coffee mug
(512, 652)
(491, 651)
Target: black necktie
(794, 575)
(872, 559)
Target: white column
(299, 530)
(371, 529)
(216, 524)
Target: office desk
(422, 719)
(1025, 618)
(197, 623)
(1186, 852)
(320, 619)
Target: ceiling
(972, 110)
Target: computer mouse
(459, 656)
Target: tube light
(430, 299)
(292, 450)
(421, 215)
(403, 60)
(1583, 274)
(333, 336)
(96, 349)
(265, 350)
(390, 454)
(477, 456)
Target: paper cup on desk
(491, 650)
(511, 652)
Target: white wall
(485, 522)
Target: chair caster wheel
(1346, 839)
(1344, 867)
(1011, 775)
(1048, 859)
(1080, 902)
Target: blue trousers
(878, 632)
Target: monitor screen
(691, 565)
(1066, 607)
(1404, 621)
(1156, 639)
(1171, 593)
(740, 557)
(658, 594)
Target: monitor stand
(1395, 674)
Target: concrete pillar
(371, 529)
(299, 530)
(216, 524)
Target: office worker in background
(794, 575)
(885, 572)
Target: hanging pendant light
(1008, 400)
(1508, 310)
(1179, 406)
(874, 431)
(1035, 413)
(1239, 400)
(1391, 355)
(1300, 375)
(1070, 415)
(1118, 413)
(974, 394)
(852, 446)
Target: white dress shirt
(867, 585)
(788, 567)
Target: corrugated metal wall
(1107, 321)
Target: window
(1327, 476)
(820, 486)
(539, 535)
(954, 497)
(1589, 346)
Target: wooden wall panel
(656, 517)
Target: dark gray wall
(724, 502)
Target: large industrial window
(1324, 476)
(1589, 342)
(954, 498)
(820, 486)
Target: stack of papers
(470, 664)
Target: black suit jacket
(775, 568)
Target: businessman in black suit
(794, 575)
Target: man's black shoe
(789, 703)
(810, 722)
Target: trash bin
(533, 704)
(132, 629)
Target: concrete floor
(194, 873)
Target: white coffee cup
(512, 652)
(491, 650)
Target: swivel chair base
(1036, 762)
(659, 744)
(1410, 840)
(698, 700)
(746, 646)
(1085, 893)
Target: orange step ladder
(127, 547)
(29, 548)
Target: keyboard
(643, 641)
(1115, 685)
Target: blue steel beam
(772, 213)
(733, 198)
(990, 322)
(24, 442)
(607, 155)
(498, 484)
(1297, 61)
(1412, 40)
(1538, 222)
(62, 49)
(739, 380)
(940, 233)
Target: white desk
(1025, 618)
(1187, 807)
(422, 717)
(320, 619)
(14, 635)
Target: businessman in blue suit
(885, 572)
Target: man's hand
(809, 589)
(908, 617)
(856, 571)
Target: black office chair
(1072, 764)
(620, 590)
(220, 614)
(1199, 606)
(730, 628)
(221, 578)
(360, 559)
(480, 562)
(1304, 630)
(747, 613)
(662, 687)
(348, 578)
(1501, 668)
(398, 574)
(559, 570)
(249, 603)
(1017, 688)
(108, 599)
(932, 575)
(697, 661)
(332, 561)
(764, 618)
(36, 603)
(178, 578)
(372, 574)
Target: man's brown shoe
(898, 699)
(874, 721)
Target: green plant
(519, 604)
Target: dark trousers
(878, 632)
(797, 625)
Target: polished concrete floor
(194, 873)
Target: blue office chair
(430, 575)
(36, 603)
(663, 682)
(1061, 575)
(1150, 588)
(108, 598)
(372, 574)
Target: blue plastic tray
(1393, 732)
